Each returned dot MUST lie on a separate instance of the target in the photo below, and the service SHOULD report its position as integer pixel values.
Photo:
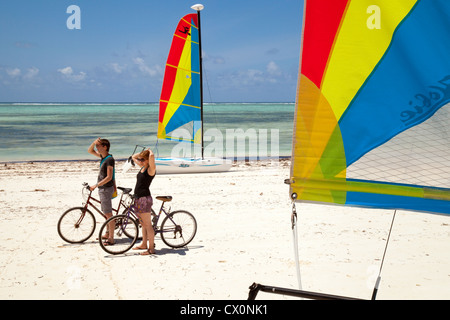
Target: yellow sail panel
(370, 24)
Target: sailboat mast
(198, 8)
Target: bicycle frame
(90, 203)
(155, 218)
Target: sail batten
(176, 67)
(182, 104)
(373, 105)
(175, 35)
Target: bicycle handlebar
(128, 192)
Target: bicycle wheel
(76, 225)
(126, 232)
(178, 229)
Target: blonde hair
(144, 154)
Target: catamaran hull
(185, 165)
(180, 165)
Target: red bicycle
(77, 224)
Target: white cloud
(25, 45)
(16, 75)
(13, 72)
(79, 77)
(155, 71)
(273, 69)
(31, 73)
(117, 68)
(67, 72)
(213, 59)
(255, 76)
(264, 77)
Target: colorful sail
(372, 112)
(180, 102)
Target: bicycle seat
(125, 190)
(164, 198)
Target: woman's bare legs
(148, 234)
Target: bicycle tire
(125, 213)
(124, 227)
(182, 232)
(76, 225)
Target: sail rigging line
(295, 240)
(156, 148)
(207, 83)
(210, 96)
(377, 283)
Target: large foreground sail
(180, 102)
(372, 112)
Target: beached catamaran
(181, 102)
(372, 110)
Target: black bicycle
(177, 228)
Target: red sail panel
(319, 35)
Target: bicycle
(77, 224)
(177, 229)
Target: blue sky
(250, 48)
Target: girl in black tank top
(143, 181)
(143, 199)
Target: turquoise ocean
(53, 132)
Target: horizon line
(135, 103)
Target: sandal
(139, 248)
(147, 253)
(108, 243)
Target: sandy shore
(244, 236)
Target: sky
(116, 50)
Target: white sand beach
(244, 236)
